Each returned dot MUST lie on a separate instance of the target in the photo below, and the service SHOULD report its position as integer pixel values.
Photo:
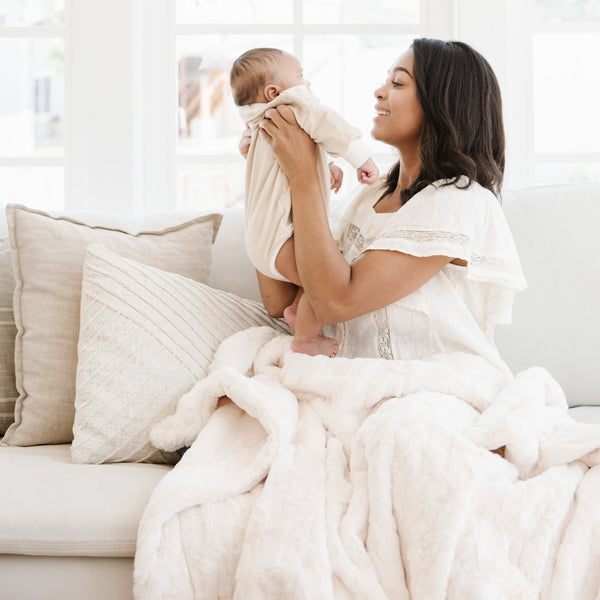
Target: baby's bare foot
(289, 314)
(317, 345)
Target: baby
(263, 78)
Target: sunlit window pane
(39, 187)
(209, 121)
(560, 11)
(32, 98)
(234, 11)
(357, 11)
(566, 92)
(29, 13)
(210, 186)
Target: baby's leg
(307, 338)
(285, 262)
(299, 315)
(290, 312)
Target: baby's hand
(367, 172)
(335, 177)
(244, 144)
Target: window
(131, 105)
(566, 87)
(32, 103)
(343, 49)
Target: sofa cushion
(586, 414)
(147, 336)
(8, 392)
(57, 508)
(232, 270)
(48, 253)
(66, 577)
(555, 320)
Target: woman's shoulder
(460, 190)
(449, 207)
(444, 198)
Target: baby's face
(289, 72)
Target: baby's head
(261, 74)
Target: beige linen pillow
(48, 254)
(8, 392)
(147, 336)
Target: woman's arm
(337, 290)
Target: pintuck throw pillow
(147, 336)
(48, 254)
(8, 392)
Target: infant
(263, 78)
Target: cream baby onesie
(268, 201)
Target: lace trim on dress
(459, 239)
(384, 336)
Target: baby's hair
(250, 73)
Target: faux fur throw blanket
(371, 479)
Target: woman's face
(399, 114)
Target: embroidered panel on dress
(354, 237)
(384, 337)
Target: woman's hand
(295, 151)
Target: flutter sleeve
(467, 224)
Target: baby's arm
(326, 127)
(367, 172)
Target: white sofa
(68, 531)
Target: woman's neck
(410, 169)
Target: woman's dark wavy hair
(463, 131)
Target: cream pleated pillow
(147, 336)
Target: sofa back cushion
(8, 392)
(231, 267)
(48, 252)
(555, 320)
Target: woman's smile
(381, 113)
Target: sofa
(68, 527)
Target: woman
(366, 478)
(428, 264)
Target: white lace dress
(458, 308)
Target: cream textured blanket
(371, 479)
